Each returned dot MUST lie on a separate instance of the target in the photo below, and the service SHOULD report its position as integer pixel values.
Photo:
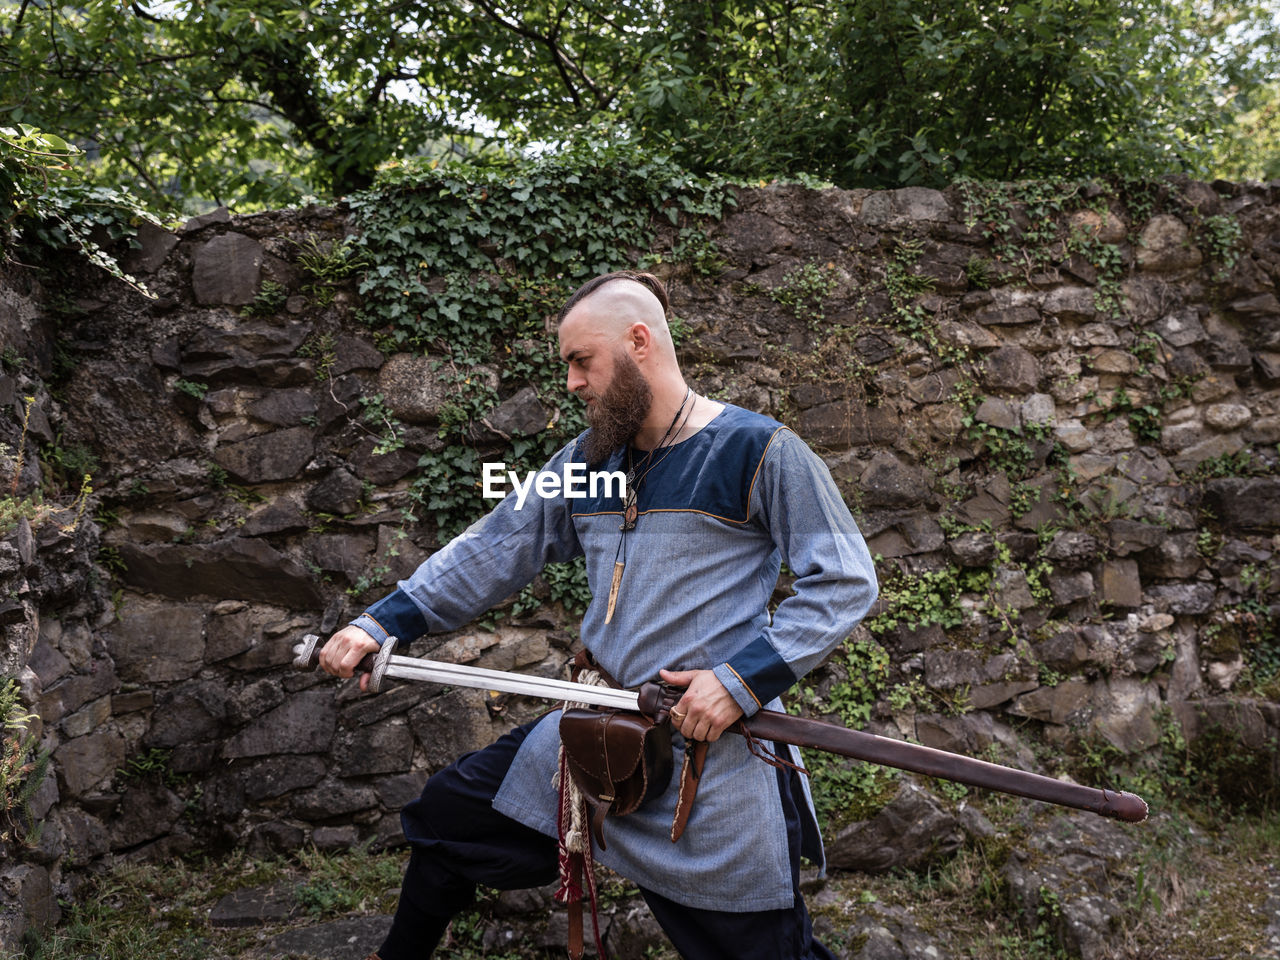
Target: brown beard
(618, 412)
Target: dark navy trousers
(459, 841)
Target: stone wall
(981, 414)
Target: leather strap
(598, 811)
(575, 939)
(695, 758)
(583, 660)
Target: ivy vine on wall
(469, 264)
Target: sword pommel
(306, 654)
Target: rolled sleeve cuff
(737, 689)
(755, 675)
(395, 615)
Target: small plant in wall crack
(388, 430)
(805, 290)
(270, 299)
(1221, 237)
(22, 767)
(1108, 261)
(191, 388)
(28, 403)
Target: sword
(385, 664)
(655, 699)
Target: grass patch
(161, 909)
(1195, 889)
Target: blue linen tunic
(719, 513)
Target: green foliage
(1008, 449)
(924, 600)
(1108, 261)
(1243, 463)
(692, 246)
(259, 103)
(467, 934)
(191, 388)
(69, 463)
(469, 264)
(1251, 627)
(229, 101)
(865, 665)
(331, 261)
(376, 414)
(1025, 226)
(920, 92)
(44, 204)
(901, 282)
(905, 285)
(845, 791)
(1144, 419)
(1218, 769)
(30, 160)
(13, 509)
(978, 273)
(805, 289)
(160, 908)
(1221, 236)
(561, 218)
(356, 881)
(321, 349)
(1147, 347)
(23, 767)
(997, 208)
(568, 585)
(269, 300)
(1252, 151)
(905, 696)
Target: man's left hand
(706, 710)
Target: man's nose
(575, 381)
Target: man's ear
(641, 339)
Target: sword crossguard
(307, 657)
(657, 699)
(378, 669)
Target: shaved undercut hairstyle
(647, 280)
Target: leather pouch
(617, 759)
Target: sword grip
(307, 657)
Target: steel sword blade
(411, 668)
(386, 664)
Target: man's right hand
(345, 650)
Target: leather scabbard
(829, 737)
(784, 728)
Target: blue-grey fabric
(719, 513)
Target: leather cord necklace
(630, 511)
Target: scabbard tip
(1128, 807)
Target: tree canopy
(259, 102)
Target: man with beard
(681, 571)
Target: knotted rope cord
(574, 855)
(761, 752)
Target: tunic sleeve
(795, 499)
(486, 563)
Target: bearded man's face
(618, 411)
